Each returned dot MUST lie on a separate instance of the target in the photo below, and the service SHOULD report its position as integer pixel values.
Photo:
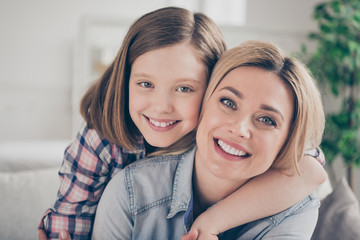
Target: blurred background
(51, 50)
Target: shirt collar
(182, 184)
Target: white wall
(37, 54)
(37, 57)
(287, 14)
(36, 61)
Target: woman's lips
(229, 151)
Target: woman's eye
(228, 103)
(184, 89)
(268, 121)
(145, 84)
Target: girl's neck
(149, 148)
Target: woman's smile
(231, 149)
(244, 124)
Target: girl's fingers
(191, 235)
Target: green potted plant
(336, 63)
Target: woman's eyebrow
(263, 106)
(234, 91)
(271, 109)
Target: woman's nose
(240, 128)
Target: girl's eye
(228, 103)
(268, 121)
(184, 89)
(145, 84)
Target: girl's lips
(162, 125)
(230, 151)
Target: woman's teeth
(161, 124)
(230, 150)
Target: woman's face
(245, 123)
(166, 88)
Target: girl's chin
(159, 143)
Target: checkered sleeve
(321, 157)
(318, 154)
(88, 164)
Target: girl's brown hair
(308, 120)
(105, 105)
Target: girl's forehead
(174, 62)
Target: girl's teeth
(228, 149)
(161, 124)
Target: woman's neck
(209, 189)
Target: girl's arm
(264, 195)
(89, 162)
(81, 172)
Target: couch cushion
(24, 198)
(31, 155)
(339, 216)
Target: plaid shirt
(89, 163)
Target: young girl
(147, 103)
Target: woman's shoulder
(151, 180)
(147, 183)
(152, 171)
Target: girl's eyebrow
(142, 75)
(149, 76)
(234, 91)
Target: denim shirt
(152, 199)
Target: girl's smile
(166, 88)
(161, 124)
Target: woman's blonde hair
(308, 121)
(105, 105)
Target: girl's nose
(162, 103)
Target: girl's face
(245, 124)
(166, 88)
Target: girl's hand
(63, 235)
(191, 235)
(205, 226)
(41, 234)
